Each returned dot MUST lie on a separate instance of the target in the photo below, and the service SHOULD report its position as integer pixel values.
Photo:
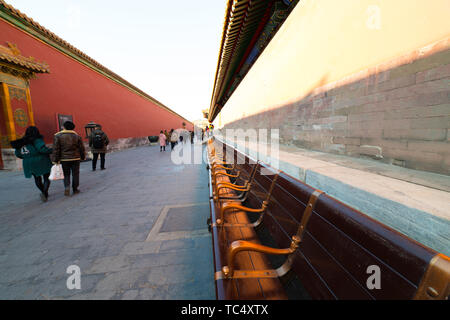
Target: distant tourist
(162, 141)
(192, 137)
(98, 141)
(36, 158)
(167, 137)
(184, 135)
(68, 149)
(173, 138)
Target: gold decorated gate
(16, 112)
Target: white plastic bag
(56, 172)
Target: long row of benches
(320, 247)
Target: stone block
(416, 134)
(369, 116)
(412, 156)
(442, 122)
(398, 124)
(10, 161)
(442, 71)
(430, 146)
(347, 141)
(395, 83)
(420, 65)
(418, 112)
(397, 144)
(364, 130)
(371, 151)
(441, 85)
(431, 99)
(334, 148)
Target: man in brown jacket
(68, 149)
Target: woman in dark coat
(36, 158)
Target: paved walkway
(137, 231)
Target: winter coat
(174, 137)
(68, 146)
(162, 140)
(36, 158)
(104, 139)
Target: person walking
(173, 139)
(162, 141)
(167, 137)
(184, 134)
(35, 158)
(68, 148)
(98, 142)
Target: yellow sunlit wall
(323, 41)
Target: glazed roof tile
(243, 25)
(13, 56)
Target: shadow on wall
(398, 115)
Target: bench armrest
(242, 208)
(215, 166)
(215, 174)
(216, 195)
(217, 160)
(232, 187)
(227, 174)
(239, 207)
(223, 183)
(240, 245)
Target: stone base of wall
(10, 161)
(397, 112)
(121, 144)
(126, 143)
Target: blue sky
(169, 49)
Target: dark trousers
(71, 167)
(172, 145)
(42, 186)
(102, 160)
(162, 148)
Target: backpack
(97, 141)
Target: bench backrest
(353, 242)
(340, 245)
(342, 249)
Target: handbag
(56, 173)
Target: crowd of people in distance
(181, 135)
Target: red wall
(74, 89)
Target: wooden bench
(289, 240)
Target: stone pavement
(137, 230)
